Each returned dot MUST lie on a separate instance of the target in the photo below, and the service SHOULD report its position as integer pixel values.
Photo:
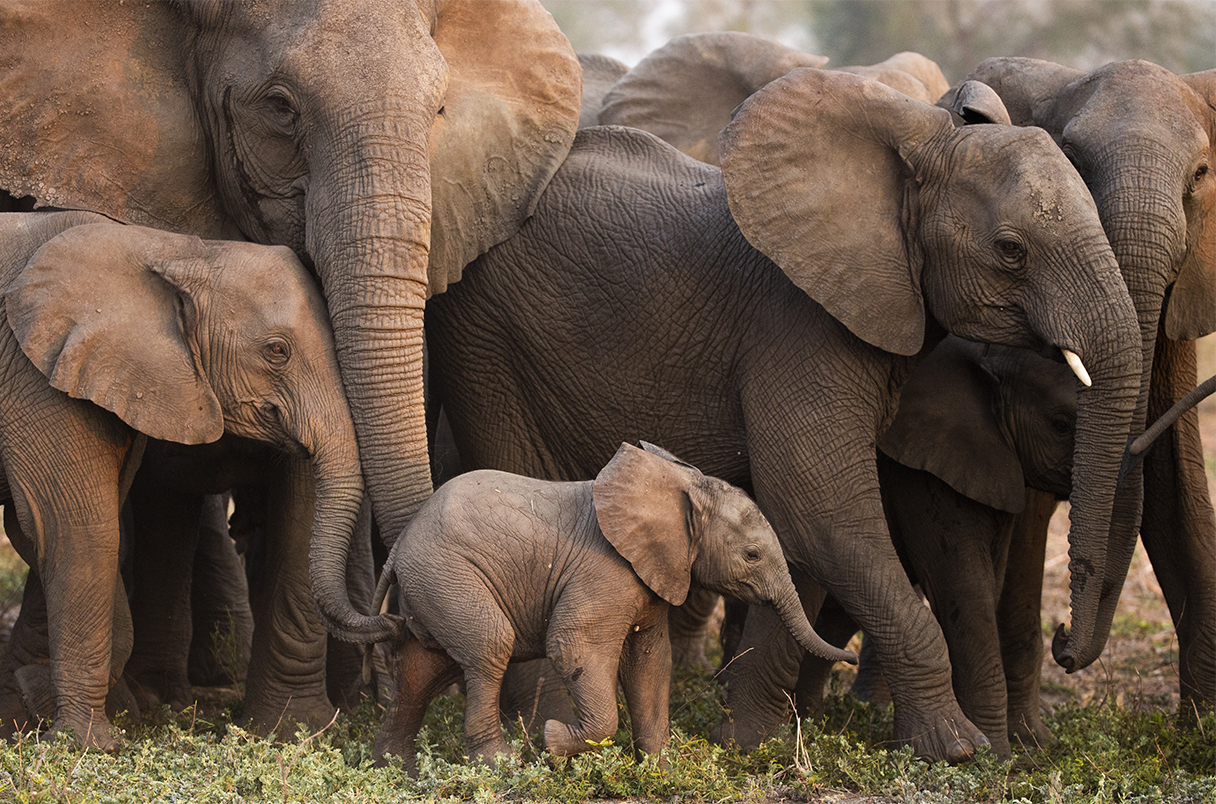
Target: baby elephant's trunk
(794, 618)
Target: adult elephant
(387, 144)
(1144, 141)
(632, 304)
(684, 92)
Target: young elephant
(119, 332)
(580, 572)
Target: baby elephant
(582, 573)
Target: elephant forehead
(1021, 172)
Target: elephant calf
(581, 572)
(120, 332)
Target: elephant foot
(151, 689)
(563, 740)
(943, 736)
(92, 732)
(282, 719)
(37, 690)
(120, 699)
(1030, 732)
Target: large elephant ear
(1191, 310)
(818, 178)
(646, 507)
(96, 114)
(974, 102)
(1026, 86)
(508, 120)
(945, 426)
(600, 73)
(96, 312)
(685, 91)
(913, 74)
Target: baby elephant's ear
(94, 311)
(644, 509)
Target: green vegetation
(1102, 753)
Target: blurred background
(958, 34)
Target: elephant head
(1144, 141)
(684, 92)
(185, 339)
(988, 421)
(897, 222)
(388, 144)
(674, 524)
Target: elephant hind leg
(422, 674)
(592, 683)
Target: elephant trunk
(1145, 248)
(1106, 413)
(339, 495)
(373, 267)
(785, 600)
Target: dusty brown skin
(315, 125)
(144, 332)
(582, 573)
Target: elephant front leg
(645, 674)
(1178, 528)
(286, 678)
(28, 645)
(1019, 620)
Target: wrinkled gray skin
(582, 573)
(685, 91)
(271, 120)
(684, 333)
(208, 357)
(976, 426)
(1144, 141)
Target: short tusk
(1078, 368)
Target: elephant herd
(903, 317)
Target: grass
(1102, 753)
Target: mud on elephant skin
(615, 553)
(120, 332)
(787, 373)
(1144, 141)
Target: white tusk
(1078, 368)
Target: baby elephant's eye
(752, 553)
(277, 351)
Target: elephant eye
(752, 553)
(1061, 425)
(277, 351)
(281, 109)
(1011, 250)
(1200, 172)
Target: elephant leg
(286, 678)
(75, 526)
(533, 692)
(689, 627)
(592, 681)
(222, 621)
(837, 628)
(166, 534)
(1019, 620)
(344, 660)
(763, 672)
(645, 674)
(28, 644)
(1178, 528)
(422, 674)
(733, 619)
